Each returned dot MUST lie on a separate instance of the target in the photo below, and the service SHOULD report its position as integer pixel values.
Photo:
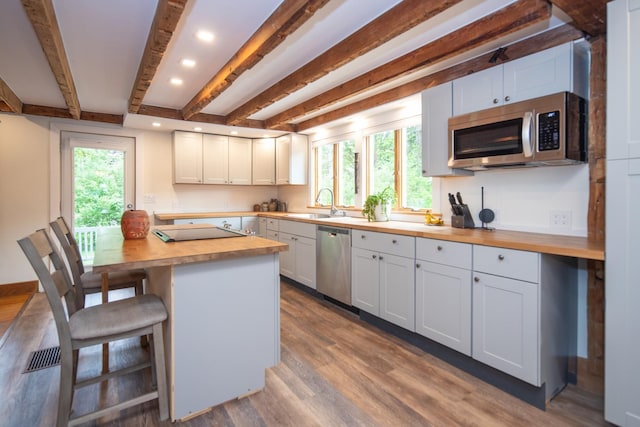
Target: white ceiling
(104, 42)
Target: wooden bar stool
(82, 327)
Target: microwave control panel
(549, 131)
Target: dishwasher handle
(334, 230)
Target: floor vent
(42, 359)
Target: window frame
(361, 139)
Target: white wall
(524, 199)
(24, 190)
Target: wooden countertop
(113, 253)
(573, 246)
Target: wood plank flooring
(335, 371)
(10, 306)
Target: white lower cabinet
(271, 231)
(299, 262)
(383, 276)
(505, 325)
(443, 293)
(524, 314)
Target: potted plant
(377, 207)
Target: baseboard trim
(18, 288)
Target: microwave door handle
(526, 134)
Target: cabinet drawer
(298, 228)
(273, 224)
(443, 252)
(382, 242)
(521, 265)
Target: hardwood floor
(335, 371)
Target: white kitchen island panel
(224, 328)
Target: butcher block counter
(572, 246)
(223, 300)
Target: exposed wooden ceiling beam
(288, 17)
(165, 21)
(588, 16)
(512, 18)
(39, 110)
(44, 22)
(13, 103)
(546, 40)
(394, 22)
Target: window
(392, 158)
(324, 172)
(395, 160)
(416, 189)
(335, 169)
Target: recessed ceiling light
(175, 81)
(197, 129)
(205, 36)
(234, 132)
(156, 124)
(190, 63)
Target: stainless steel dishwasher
(333, 263)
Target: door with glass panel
(97, 184)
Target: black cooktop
(183, 234)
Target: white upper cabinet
(264, 161)
(558, 69)
(623, 84)
(215, 162)
(211, 159)
(187, 158)
(437, 107)
(478, 91)
(291, 159)
(239, 161)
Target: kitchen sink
(309, 215)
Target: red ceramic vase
(134, 224)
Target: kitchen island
(222, 296)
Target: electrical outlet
(560, 219)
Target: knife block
(463, 221)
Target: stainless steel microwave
(550, 130)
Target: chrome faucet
(333, 211)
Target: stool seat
(107, 319)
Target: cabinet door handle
(439, 248)
(394, 241)
(476, 279)
(362, 236)
(374, 256)
(495, 100)
(381, 258)
(507, 98)
(501, 257)
(417, 265)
